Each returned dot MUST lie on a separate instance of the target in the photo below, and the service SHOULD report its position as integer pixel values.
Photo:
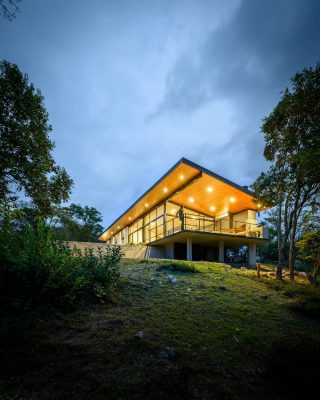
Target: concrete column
(221, 251)
(189, 249)
(252, 254)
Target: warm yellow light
(146, 205)
(181, 177)
(209, 189)
(152, 223)
(173, 211)
(259, 205)
(111, 233)
(118, 227)
(193, 217)
(232, 199)
(165, 190)
(191, 200)
(212, 208)
(129, 218)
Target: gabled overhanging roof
(190, 185)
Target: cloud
(131, 87)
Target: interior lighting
(209, 189)
(181, 177)
(191, 200)
(232, 199)
(212, 208)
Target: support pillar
(221, 251)
(189, 249)
(252, 254)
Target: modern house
(190, 213)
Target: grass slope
(217, 333)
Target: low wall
(128, 251)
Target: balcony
(169, 225)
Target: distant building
(190, 213)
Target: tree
(309, 251)
(292, 146)
(9, 8)
(79, 223)
(26, 162)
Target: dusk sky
(133, 86)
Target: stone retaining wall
(128, 251)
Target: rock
(222, 288)
(168, 353)
(243, 268)
(188, 289)
(303, 274)
(139, 335)
(172, 279)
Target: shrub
(37, 270)
(179, 266)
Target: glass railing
(189, 222)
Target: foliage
(178, 266)
(26, 162)
(78, 223)
(309, 250)
(9, 8)
(292, 144)
(36, 269)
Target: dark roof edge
(191, 164)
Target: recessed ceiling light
(209, 189)
(212, 208)
(111, 233)
(259, 205)
(118, 227)
(129, 218)
(146, 205)
(191, 200)
(181, 177)
(232, 199)
(165, 190)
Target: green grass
(226, 328)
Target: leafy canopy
(26, 161)
(79, 223)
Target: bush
(306, 298)
(179, 266)
(37, 270)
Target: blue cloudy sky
(132, 86)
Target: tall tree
(292, 146)
(79, 223)
(26, 161)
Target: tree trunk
(280, 243)
(291, 258)
(315, 269)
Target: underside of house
(191, 213)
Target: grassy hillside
(214, 333)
